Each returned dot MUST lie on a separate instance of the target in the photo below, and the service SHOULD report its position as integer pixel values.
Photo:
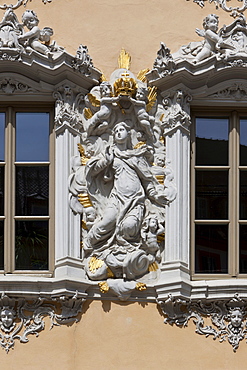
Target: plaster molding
(11, 86)
(69, 105)
(234, 10)
(20, 3)
(20, 318)
(82, 62)
(237, 91)
(228, 317)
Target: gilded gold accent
(103, 286)
(153, 267)
(161, 117)
(162, 140)
(87, 113)
(160, 179)
(142, 75)
(161, 237)
(138, 145)
(93, 100)
(125, 85)
(81, 150)
(141, 286)
(124, 59)
(84, 199)
(152, 95)
(109, 273)
(83, 225)
(95, 264)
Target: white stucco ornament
(118, 183)
(20, 318)
(227, 316)
(228, 44)
(25, 37)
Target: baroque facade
(127, 188)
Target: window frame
(10, 110)
(234, 114)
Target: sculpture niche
(117, 184)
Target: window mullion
(233, 194)
(9, 194)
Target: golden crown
(125, 85)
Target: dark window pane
(1, 191)
(32, 190)
(1, 245)
(2, 136)
(212, 141)
(32, 137)
(212, 195)
(31, 245)
(243, 142)
(243, 195)
(243, 249)
(211, 251)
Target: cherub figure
(31, 21)
(140, 107)
(210, 25)
(107, 102)
(150, 230)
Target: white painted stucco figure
(146, 121)
(35, 35)
(99, 122)
(131, 181)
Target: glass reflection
(32, 137)
(32, 190)
(211, 251)
(1, 191)
(212, 195)
(212, 141)
(243, 142)
(243, 195)
(1, 245)
(2, 136)
(31, 245)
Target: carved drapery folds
(227, 316)
(19, 318)
(119, 183)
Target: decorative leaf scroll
(20, 318)
(235, 10)
(227, 316)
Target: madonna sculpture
(118, 185)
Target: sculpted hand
(200, 32)
(109, 154)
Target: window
(26, 194)
(219, 204)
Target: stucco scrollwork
(69, 105)
(234, 10)
(19, 318)
(10, 86)
(164, 63)
(237, 91)
(82, 61)
(174, 111)
(227, 316)
(118, 182)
